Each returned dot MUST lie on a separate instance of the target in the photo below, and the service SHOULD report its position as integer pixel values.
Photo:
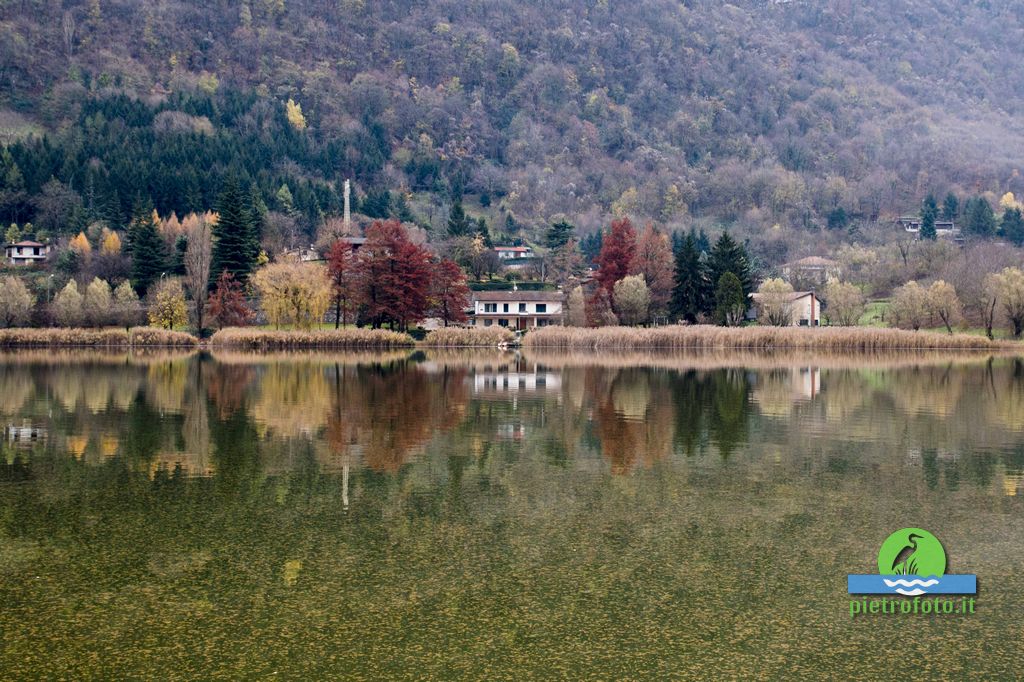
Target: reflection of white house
(807, 382)
(804, 306)
(525, 382)
(25, 434)
(517, 309)
(25, 253)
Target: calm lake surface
(499, 516)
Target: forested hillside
(751, 113)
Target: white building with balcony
(517, 309)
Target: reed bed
(95, 338)
(263, 339)
(152, 336)
(469, 337)
(703, 337)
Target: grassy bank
(137, 337)
(831, 339)
(469, 337)
(261, 339)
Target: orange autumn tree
(653, 259)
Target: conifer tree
(233, 234)
(729, 256)
(149, 252)
(459, 225)
(689, 297)
(559, 234)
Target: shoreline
(853, 341)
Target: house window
(490, 307)
(522, 307)
(804, 323)
(505, 308)
(488, 323)
(542, 307)
(502, 322)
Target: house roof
(512, 248)
(517, 296)
(24, 243)
(355, 241)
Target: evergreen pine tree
(689, 294)
(979, 219)
(729, 256)
(149, 253)
(256, 213)
(458, 224)
(929, 212)
(950, 207)
(233, 234)
(481, 229)
(559, 234)
(1013, 226)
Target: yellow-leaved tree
(295, 115)
(111, 245)
(167, 308)
(80, 245)
(293, 293)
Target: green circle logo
(912, 551)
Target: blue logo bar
(912, 585)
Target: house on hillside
(943, 228)
(515, 257)
(812, 271)
(517, 309)
(26, 253)
(805, 308)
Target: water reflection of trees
(952, 422)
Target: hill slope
(756, 112)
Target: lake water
(499, 516)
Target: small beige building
(804, 306)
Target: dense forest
(799, 115)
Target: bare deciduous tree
(198, 256)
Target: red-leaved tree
(395, 276)
(617, 251)
(344, 276)
(227, 304)
(449, 294)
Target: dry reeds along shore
(263, 339)
(469, 337)
(700, 337)
(95, 338)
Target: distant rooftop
(521, 295)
